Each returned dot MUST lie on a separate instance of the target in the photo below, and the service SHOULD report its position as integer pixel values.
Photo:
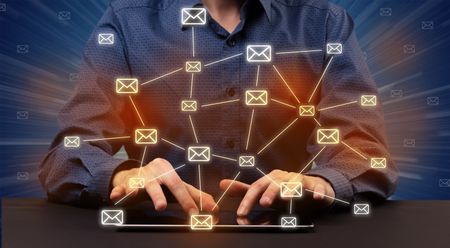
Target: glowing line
(137, 111)
(221, 60)
(250, 129)
(290, 206)
(165, 75)
(304, 51)
(218, 226)
(112, 138)
(306, 166)
(318, 123)
(218, 156)
(142, 160)
(192, 85)
(320, 79)
(336, 106)
(226, 190)
(284, 81)
(193, 42)
(165, 173)
(353, 149)
(278, 135)
(200, 186)
(177, 146)
(193, 128)
(218, 103)
(283, 103)
(327, 196)
(266, 175)
(257, 76)
(123, 198)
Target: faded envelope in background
(291, 189)
(24, 48)
(427, 25)
(385, 11)
(256, 97)
(201, 222)
(146, 136)
(136, 183)
(127, 86)
(64, 15)
(22, 115)
(444, 182)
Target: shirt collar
(267, 8)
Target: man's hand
(266, 190)
(187, 195)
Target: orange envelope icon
(307, 110)
(127, 86)
(136, 183)
(328, 136)
(193, 66)
(378, 163)
(256, 97)
(368, 100)
(146, 136)
(291, 189)
(201, 222)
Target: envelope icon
(23, 176)
(328, 136)
(193, 66)
(433, 100)
(288, 222)
(189, 106)
(291, 189)
(193, 16)
(396, 93)
(23, 49)
(368, 100)
(378, 163)
(334, 48)
(444, 183)
(409, 143)
(307, 110)
(246, 161)
(199, 154)
(127, 86)
(2, 7)
(144, 136)
(71, 141)
(112, 217)
(259, 53)
(136, 183)
(22, 115)
(105, 39)
(427, 25)
(74, 77)
(385, 11)
(256, 97)
(64, 15)
(361, 209)
(201, 222)
(409, 48)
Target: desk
(32, 223)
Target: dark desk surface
(34, 223)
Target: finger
(252, 195)
(269, 195)
(236, 189)
(204, 200)
(319, 192)
(116, 193)
(155, 192)
(176, 186)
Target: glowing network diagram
(256, 97)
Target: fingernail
(266, 200)
(242, 211)
(193, 211)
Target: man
(150, 44)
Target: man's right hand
(187, 195)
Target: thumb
(236, 188)
(116, 193)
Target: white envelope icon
(71, 141)
(127, 86)
(378, 163)
(328, 136)
(368, 100)
(334, 48)
(361, 209)
(199, 154)
(201, 222)
(145, 136)
(259, 53)
(291, 189)
(246, 161)
(193, 16)
(112, 217)
(189, 106)
(106, 39)
(256, 97)
(193, 66)
(288, 222)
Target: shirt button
(232, 43)
(231, 92)
(230, 143)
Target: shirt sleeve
(361, 128)
(82, 176)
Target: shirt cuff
(341, 185)
(101, 179)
